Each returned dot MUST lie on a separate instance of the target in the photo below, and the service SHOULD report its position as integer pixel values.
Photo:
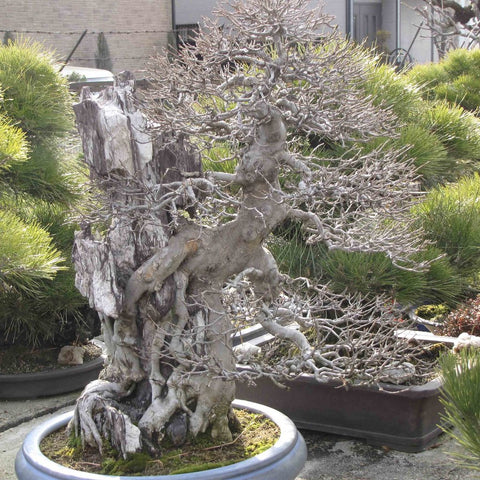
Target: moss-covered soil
(20, 359)
(255, 434)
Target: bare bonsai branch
(176, 262)
(450, 23)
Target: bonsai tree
(174, 257)
(443, 141)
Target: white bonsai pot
(283, 461)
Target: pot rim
(431, 387)
(288, 441)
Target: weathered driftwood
(175, 259)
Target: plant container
(283, 461)
(398, 417)
(51, 382)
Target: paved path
(330, 457)
(18, 417)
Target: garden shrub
(293, 256)
(371, 274)
(430, 153)
(461, 398)
(27, 255)
(450, 217)
(455, 78)
(457, 129)
(38, 299)
(443, 139)
(13, 145)
(35, 95)
(37, 100)
(464, 319)
(57, 315)
(392, 90)
(374, 274)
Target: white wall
(421, 50)
(191, 11)
(389, 21)
(337, 8)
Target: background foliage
(39, 183)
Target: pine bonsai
(38, 299)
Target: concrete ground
(330, 457)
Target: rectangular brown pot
(397, 417)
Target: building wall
(337, 8)
(389, 17)
(421, 50)
(191, 11)
(134, 30)
(65, 20)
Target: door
(367, 20)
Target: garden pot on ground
(52, 382)
(283, 461)
(395, 416)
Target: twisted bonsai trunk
(159, 296)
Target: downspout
(174, 25)
(397, 24)
(432, 43)
(349, 18)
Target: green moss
(201, 467)
(257, 448)
(257, 433)
(430, 312)
(68, 452)
(74, 441)
(134, 463)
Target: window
(186, 34)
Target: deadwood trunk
(146, 387)
(158, 293)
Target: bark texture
(131, 276)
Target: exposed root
(98, 417)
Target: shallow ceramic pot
(283, 461)
(394, 416)
(51, 382)
(405, 419)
